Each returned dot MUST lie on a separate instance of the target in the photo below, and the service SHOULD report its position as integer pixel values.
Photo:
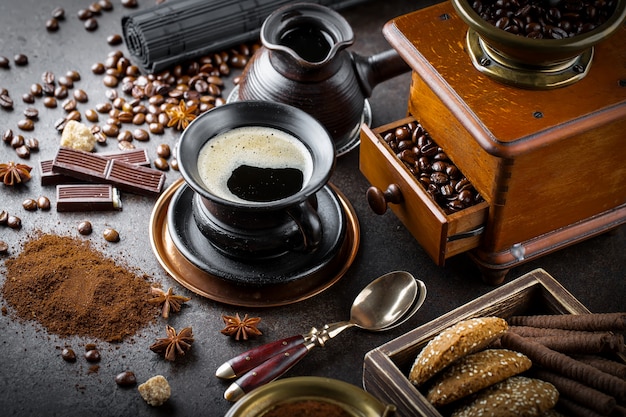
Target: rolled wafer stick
(577, 392)
(605, 365)
(586, 342)
(573, 409)
(566, 365)
(528, 331)
(586, 322)
(620, 411)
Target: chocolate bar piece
(88, 197)
(52, 178)
(99, 169)
(132, 156)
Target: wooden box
(549, 163)
(386, 368)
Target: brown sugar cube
(155, 391)
(467, 336)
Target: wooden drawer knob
(378, 199)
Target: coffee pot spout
(373, 70)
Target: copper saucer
(218, 289)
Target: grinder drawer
(440, 233)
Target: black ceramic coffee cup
(251, 229)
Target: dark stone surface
(35, 381)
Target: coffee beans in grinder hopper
(539, 19)
(430, 165)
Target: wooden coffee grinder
(543, 141)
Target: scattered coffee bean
(43, 203)
(17, 141)
(161, 164)
(6, 102)
(58, 13)
(98, 68)
(115, 39)
(52, 24)
(28, 98)
(20, 59)
(73, 75)
(81, 96)
(26, 124)
(14, 222)
(50, 102)
(129, 3)
(69, 105)
(163, 150)
(106, 5)
(91, 24)
(4, 217)
(36, 89)
(32, 144)
(91, 115)
(141, 135)
(22, 152)
(174, 164)
(92, 355)
(111, 235)
(126, 379)
(7, 136)
(31, 112)
(60, 92)
(4, 62)
(84, 14)
(74, 115)
(48, 77)
(90, 346)
(4, 247)
(66, 82)
(29, 204)
(68, 355)
(85, 228)
(125, 145)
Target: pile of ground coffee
(71, 288)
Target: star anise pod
(12, 173)
(181, 115)
(169, 300)
(174, 344)
(239, 328)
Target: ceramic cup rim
(280, 116)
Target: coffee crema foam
(256, 146)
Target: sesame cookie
(463, 338)
(517, 396)
(474, 372)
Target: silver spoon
(383, 304)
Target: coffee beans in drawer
(432, 168)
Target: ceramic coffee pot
(303, 61)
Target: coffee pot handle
(308, 220)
